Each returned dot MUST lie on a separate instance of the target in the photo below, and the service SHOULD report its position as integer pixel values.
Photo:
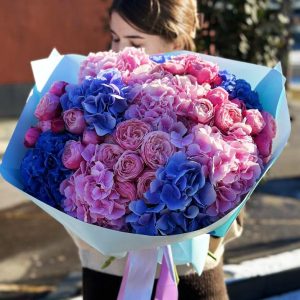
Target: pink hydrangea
(153, 104)
(130, 58)
(90, 195)
(97, 62)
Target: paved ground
(36, 253)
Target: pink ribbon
(166, 287)
(139, 274)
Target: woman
(158, 26)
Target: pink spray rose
(202, 111)
(226, 115)
(130, 134)
(71, 157)
(31, 136)
(255, 119)
(217, 96)
(265, 138)
(129, 166)
(143, 182)
(90, 137)
(48, 108)
(108, 154)
(58, 88)
(157, 149)
(127, 190)
(74, 120)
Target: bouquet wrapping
(147, 155)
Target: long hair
(173, 20)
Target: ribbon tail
(139, 275)
(166, 287)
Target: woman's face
(124, 35)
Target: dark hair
(173, 20)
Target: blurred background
(38, 260)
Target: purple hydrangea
(105, 106)
(176, 201)
(103, 99)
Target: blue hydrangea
(42, 170)
(241, 89)
(158, 58)
(103, 99)
(176, 201)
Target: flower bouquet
(147, 154)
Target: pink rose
(48, 108)
(264, 139)
(74, 120)
(57, 125)
(204, 71)
(130, 134)
(91, 137)
(270, 127)
(240, 104)
(108, 154)
(217, 96)
(143, 182)
(129, 166)
(127, 190)
(71, 157)
(226, 115)
(58, 88)
(44, 125)
(174, 67)
(255, 119)
(203, 111)
(157, 149)
(31, 136)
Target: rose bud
(71, 157)
(58, 88)
(31, 137)
(48, 108)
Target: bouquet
(157, 149)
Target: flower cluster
(176, 199)
(42, 169)
(152, 145)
